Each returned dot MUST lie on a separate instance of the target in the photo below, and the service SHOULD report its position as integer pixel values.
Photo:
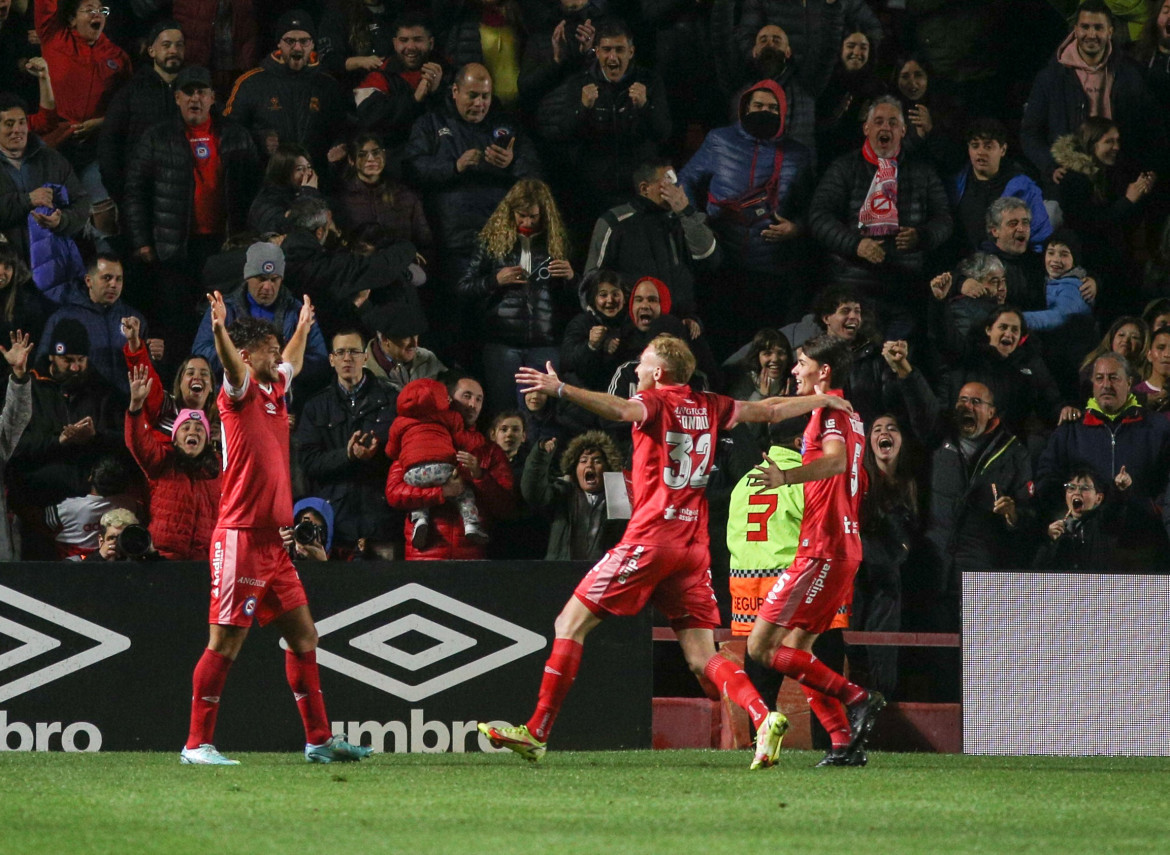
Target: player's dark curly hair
(247, 332)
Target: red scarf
(879, 213)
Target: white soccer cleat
(205, 755)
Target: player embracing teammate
(663, 557)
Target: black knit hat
(296, 19)
(70, 339)
(161, 27)
(1068, 238)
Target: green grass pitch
(677, 802)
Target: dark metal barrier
(412, 655)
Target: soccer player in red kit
(252, 576)
(809, 594)
(663, 558)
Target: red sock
(812, 672)
(206, 686)
(731, 679)
(305, 682)
(559, 673)
(830, 714)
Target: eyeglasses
(104, 12)
(305, 42)
(343, 352)
(974, 402)
(370, 154)
(1079, 488)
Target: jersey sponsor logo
(460, 631)
(250, 606)
(32, 662)
(851, 526)
(630, 565)
(248, 580)
(818, 584)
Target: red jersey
(257, 487)
(208, 202)
(674, 447)
(831, 526)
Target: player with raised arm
(809, 594)
(663, 558)
(251, 573)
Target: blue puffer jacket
(54, 259)
(1064, 302)
(732, 167)
(103, 323)
(1020, 186)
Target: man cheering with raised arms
(663, 557)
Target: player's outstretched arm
(832, 462)
(605, 405)
(294, 351)
(779, 409)
(233, 364)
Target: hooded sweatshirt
(1096, 80)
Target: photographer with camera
(123, 538)
(310, 537)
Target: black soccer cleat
(861, 718)
(843, 757)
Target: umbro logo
(270, 408)
(413, 642)
(36, 660)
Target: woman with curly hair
(522, 282)
(575, 500)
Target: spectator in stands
(288, 176)
(763, 371)
(1156, 313)
(396, 93)
(290, 98)
(1082, 540)
(486, 473)
(39, 192)
(575, 500)
(802, 78)
(1089, 77)
(187, 187)
(491, 33)
(264, 296)
(17, 49)
(14, 419)
(1152, 391)
(659, 233)
(521, 282)
(1009, 229)
(340, 436)
(110, 541)
(354, 38)
(87, 68)
(757, 183)
(193, 389)
(221, 35)
(1125, 443)
(803, 24)
(145, 100)
(841, 108)
(21, 305)
(508, 432)
(394, 352)
(310, 538)
(608, 119)
(370, 194)
(880, 227)
(592, 338)
(933, 120)
(986, 177)
(1128, 336)
(1099, 201)
(73, 522)
(559, 46)
(100, 309)
(183, 475)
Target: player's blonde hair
(677, 359)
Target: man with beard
(879, 215)
(802, 78)
(609, 118)
(757, 183)
(659, 233)
(289, 98)
(99, 308)
(76, 420)
(149, 98)
(1088, 77)
(1125, 443)
(391, 97)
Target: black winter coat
(355, 488)
(138, 106)
(590, 368)
(160, 185)
(526, 315)
(268, 209)
(922, 205)
(1026, 398)
(41, 165)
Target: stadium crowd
(972, 193)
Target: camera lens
(134, 541)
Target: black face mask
(762, 125)
(770, 63)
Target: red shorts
(251, 577)
(676, 580)
(812, 594)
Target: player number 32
(684, 452)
